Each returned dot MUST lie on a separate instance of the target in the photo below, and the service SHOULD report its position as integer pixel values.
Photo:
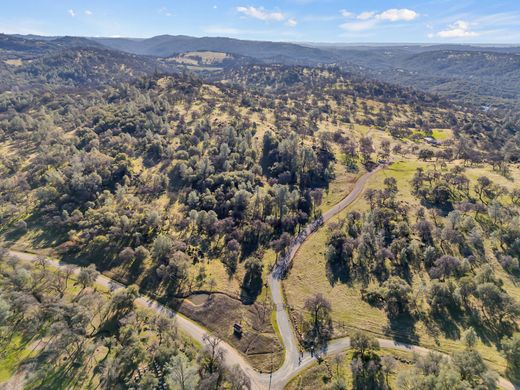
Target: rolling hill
(480, 75)
(168, 45)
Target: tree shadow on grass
(451, 323)
(446, 324)
(250, 289)
(402, 329)
(48, 237)
(337, 272)
(490, 336)
(58, 375)
(104, 258)
(134, 271)
(14, 234)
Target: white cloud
(396, 15)
(366, 15)
(262, 14)
(71, 12)
(165, 11)
(370, 19)
(291, 22)
(88, 13)
(459, 29)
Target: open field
(442, 134)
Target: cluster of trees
(480, 136)
(111, 168)
(79, 334)
(317, 327)
(389, 244)
(511, 350)
(463, 370)
(369, 370)
(73, 65)
(223, 191)
(482, 209)
(360, 245)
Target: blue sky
(434, 21)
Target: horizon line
(330, 43)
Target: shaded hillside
(74, 67)
(479, 75)
(42, 44)
(299, 80)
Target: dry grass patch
(14, 62)
(219, 312)
(340, 187)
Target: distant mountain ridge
(41, 44)
(481, 75)
(168, 45)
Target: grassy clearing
(350, 312)
(259, 343)
(321, 375)
(15, 62)
(510, 182)
(11, 358)
(442, 134)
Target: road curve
(295, 361)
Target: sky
(338, 21)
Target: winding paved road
(295, 361)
